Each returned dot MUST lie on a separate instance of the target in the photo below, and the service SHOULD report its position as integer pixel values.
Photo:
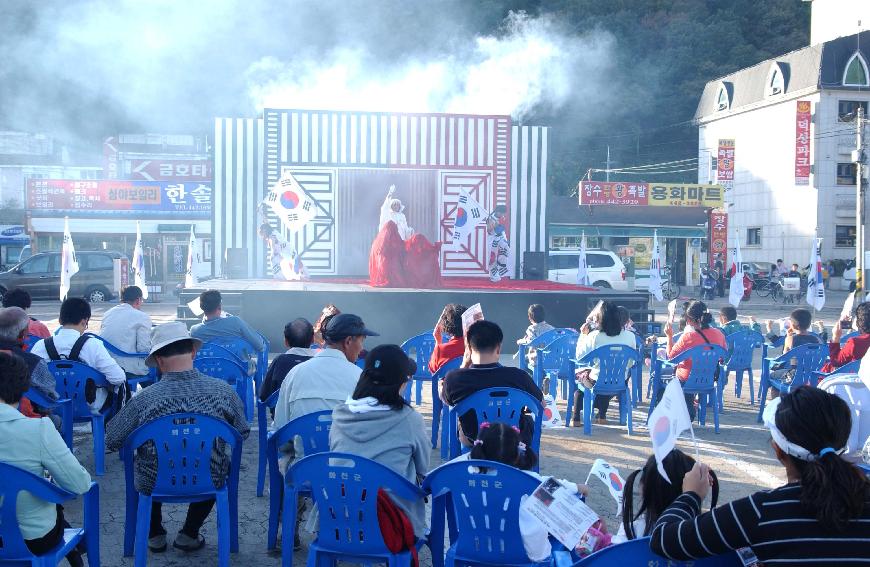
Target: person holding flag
(139, 264)
(69, 266)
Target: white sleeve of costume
(385, 212)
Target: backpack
(74, 352)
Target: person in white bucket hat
(181, 389)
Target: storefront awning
(628, 231)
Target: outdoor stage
(399, 313)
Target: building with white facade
(785, 193)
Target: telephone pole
(607, 167)
(859, 205)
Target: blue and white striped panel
(528, 191)
(239, 188)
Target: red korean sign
(803, 119)
(718, 237)
(725, 164)
(171, 170)
(613, 193)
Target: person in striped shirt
(821, 517)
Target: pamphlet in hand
(560, 509)
(470, 315)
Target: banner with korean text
(718, 237)
(618, 193)
(803, 118)
(725, 164)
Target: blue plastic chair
(637, 552)
(541, 341)
(848, 368)
(228, 370)
(705, 360)
(13, 550)
(612, 362)
(345, 489)
(70, 378)
(503, 405)
(481, 500)
(438, 413)
(244, 352)
(183, 444)
(145, 380)
(848, 336)
(312, 432)
(805, 360)
(556, 361)
(422, 346)
(62, 407)
(741, 349)
(30, 340)
(263, 407)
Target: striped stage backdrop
(346, 161)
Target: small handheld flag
(667, 421)
(611, 478)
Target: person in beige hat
(181, 389)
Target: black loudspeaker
(237, 263)
(534, 265)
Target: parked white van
(605, 268)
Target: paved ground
(740, 455)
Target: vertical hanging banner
(718, 237)
(725, 164)
(803, 118)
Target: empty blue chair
(485, 499)
(438, 415)
(637, 552)
(741, 350)
(421, 346)
(848, 368)
(183, 445)
(311, 434)
(13, 550)
(345, 489)
(503, 405)
(228, 370)
(804, 360)
(556, 362)
(613, 363)
(541, 341)
(705, 360)
(145, 380)
(62, 407)
(263, 407)
(70, 379)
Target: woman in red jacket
(449, 323)
(855, 347)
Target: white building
(775, 213)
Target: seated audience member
(13, 329)
(797, 334)
(819, 517)
(656, 494)
(326, 314)
(376, 423)
(298, 336)
(181, 389)
(71, 343)
(20, 298)
(501, 443)
(217, 325)
(698, 332)
(128, 328)
(450, 323)
(35, 446)
(611, 331)
(729, 324)
(538, 326)
(855, 347)
(481, 370)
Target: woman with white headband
(821, 517)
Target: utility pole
(607, 167)
(859, 204)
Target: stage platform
(399, 313)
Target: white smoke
(530, 64)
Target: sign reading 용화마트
(683, 195)
(118, 196)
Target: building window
(848, 109)
(753, 236)
(775, 81)
(573, 242)
(856, 72)
(845, 236)
(845, 174)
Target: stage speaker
(236, 266)
(534, 265)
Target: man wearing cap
(181, 389)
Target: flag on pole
(190, 279)
(815, 282)
(735, 293)
(611, 479)
(667, 421)
(655, 266)
(69, 265)
(469, 214)
(289, 201)
(583, 267)
(139, 264)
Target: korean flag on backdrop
(469, 214)
(291, 203)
